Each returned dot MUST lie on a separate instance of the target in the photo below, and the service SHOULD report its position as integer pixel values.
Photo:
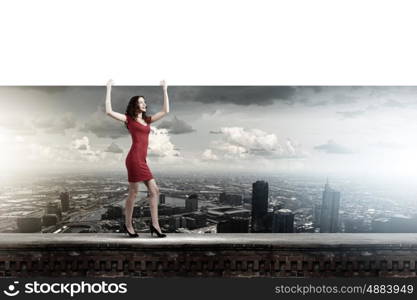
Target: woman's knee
(154, 191)
(133, 189)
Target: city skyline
(357, 130)
(364, 207)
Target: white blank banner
(208, 43)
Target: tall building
(329, 217)
(259, 205)
(316, 215)
(283, 221)
(191, 203)
(161, 198)
(65, 198)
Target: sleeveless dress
(137, 167)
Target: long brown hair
(133, 109)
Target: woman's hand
(163, 83)
(165, 108)
(109, 83)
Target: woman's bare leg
(153, 202)
(130, 201)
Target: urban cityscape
(207, 204)
(227, 159)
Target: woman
(138, 124)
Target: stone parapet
(209, 255)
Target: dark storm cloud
(55, 125)
(314, 96)
(114, 148)
(181, 96)
(176, 126)
(104, 126)
(333, 148)
(351, 114)
(261, 95)
(239, 95)
(82, 99)
(82, 147)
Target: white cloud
(78, 152)
(241, 143)
(209, 155)
(229, 150)
(251, 139)
(161, 147)
(82, 143)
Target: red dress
(137, 167)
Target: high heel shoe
(159, 234)
(130, 234)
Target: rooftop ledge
(209, 255)
(307, 241)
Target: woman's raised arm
(165, 108)
(109, 111)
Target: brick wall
(217, 255)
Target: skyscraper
(329, 217)
(161, 198)
(65, 200)
(283, 221)
(316, 215)
(259, 204)
(191, 203)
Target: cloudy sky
(367, 130)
